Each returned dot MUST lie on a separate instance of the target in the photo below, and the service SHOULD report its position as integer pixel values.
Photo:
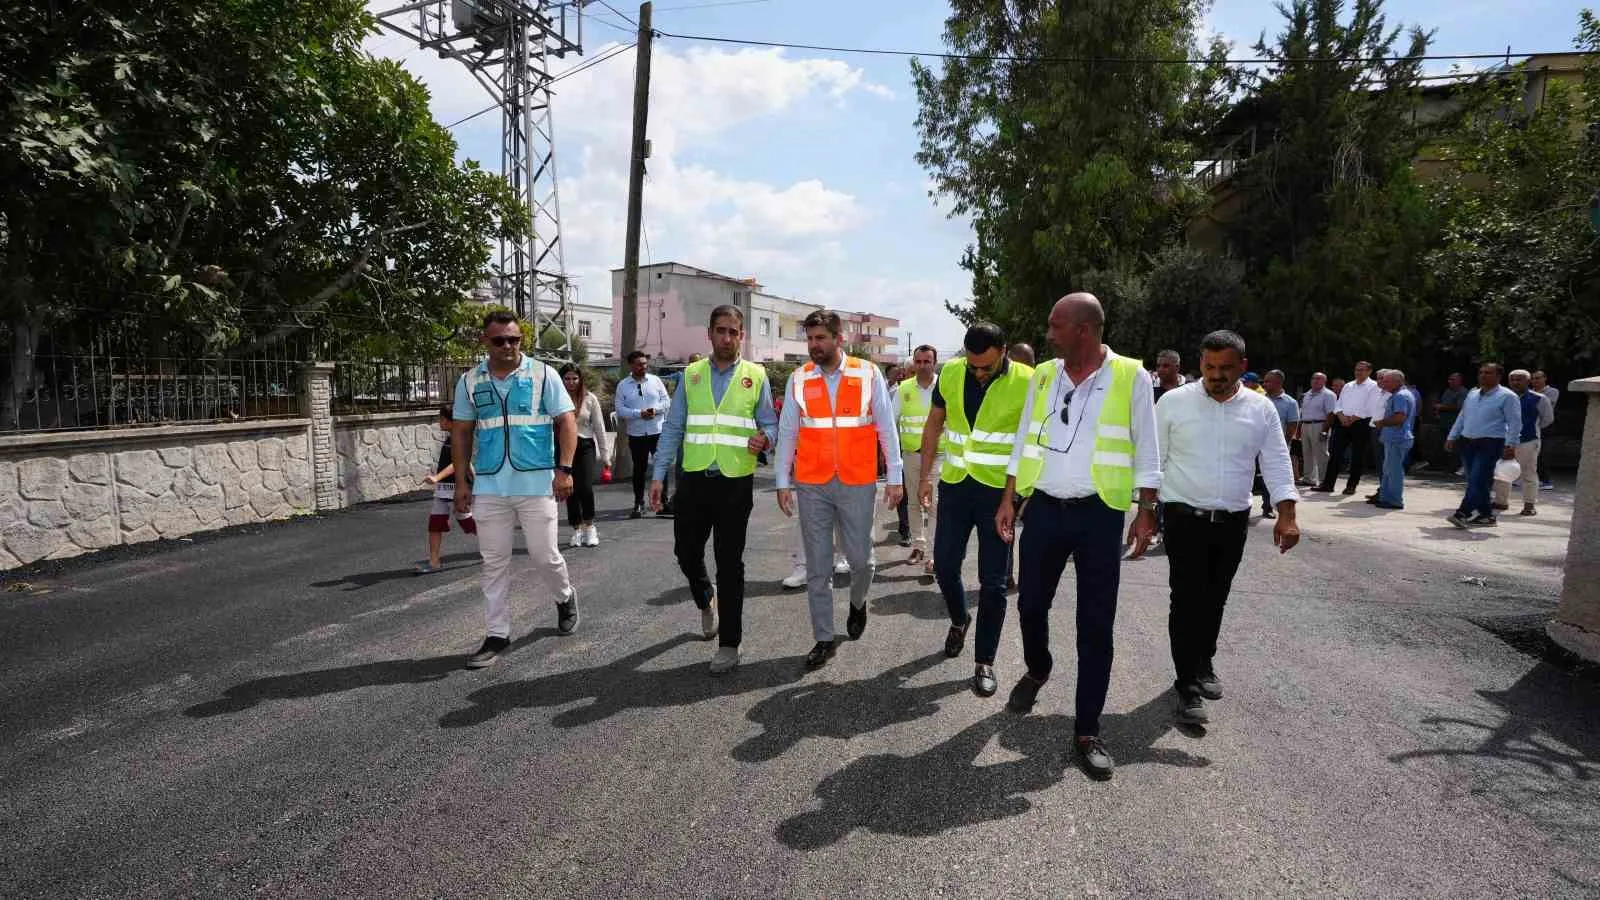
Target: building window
(584, 328)
(766, 327)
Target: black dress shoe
(1319, 489)
(956, 639)
(638, 512)
(1349, 491)
(1210, 686)
(1023, 695)
(857, 622)
(983, 682)
(1092, 755)
(820, 654)
(1268, 514)
(1192, 710)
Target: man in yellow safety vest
(913, 399)
(1087, 440)
(722, 418)
(977, 407)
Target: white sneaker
(593, 537)
(725, 661)
(797, 578)
(708, 619)
(577, 538)
(841, 567)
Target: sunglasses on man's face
(506, 340)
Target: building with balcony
(869, 333)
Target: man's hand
(463, 499)
(430, 479)
(756, 444)
(1286, 533)
(1141, 532)
(786, 501)
(563, 486)
(1510, 453)
(1005, 519)
(892, 495)
(655, 496)
(1449, 446)
(925, 494)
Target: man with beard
(835, 421)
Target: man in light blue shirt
(514, 434)
(642, 405)
(1396, 437)
(1487, 431)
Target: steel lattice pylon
(506, 45)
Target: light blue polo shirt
(509, 482)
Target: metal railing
(69, 391)
(394, 385)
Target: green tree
(1333, 232)
(1185, 295)
(1518, 269)
(1067, 162)
(203, 176)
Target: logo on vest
(747, 382)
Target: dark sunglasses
(1066, 407)
(506, 340)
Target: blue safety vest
(515, 426)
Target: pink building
(675, 303)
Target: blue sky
(797, 166)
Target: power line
(1138, 60)
(587, 64)
(620, 14)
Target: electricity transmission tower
(506, 45)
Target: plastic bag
(1507, 470)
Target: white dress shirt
(1209, 450)
(1361, 399)
(1067, 475)
(633, 396)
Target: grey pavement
(281, 711)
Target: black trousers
(1355, 436)
(1202, 557)
(580, 506)
(711, 506)
(642, 448)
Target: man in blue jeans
(1395, 436)
(1487, 431)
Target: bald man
(1021, 353)
(1086, 443)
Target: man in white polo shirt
(1359, 403)
(1212, 436)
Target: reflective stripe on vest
(913, 415)
(721, 432)
(515, 427)
(837, 438)
(1111, 465)
(982, 448)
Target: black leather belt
(1209, 515)
(1042, 497)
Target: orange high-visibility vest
(839, 442)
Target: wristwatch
(565, 470)
(1147, 505)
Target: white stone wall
(81, 492)
(386, 454)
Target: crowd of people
(1041, 463)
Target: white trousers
(497, 519)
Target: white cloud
(793, 235)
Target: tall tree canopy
(227, 172)
(1068, 149)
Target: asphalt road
(281, 711)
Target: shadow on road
(843, 710)
(359, 580)
(926, 603)
(942, 788)
(622, 685)
(241, 697)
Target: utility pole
(630, 253)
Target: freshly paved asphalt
(281, 711)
